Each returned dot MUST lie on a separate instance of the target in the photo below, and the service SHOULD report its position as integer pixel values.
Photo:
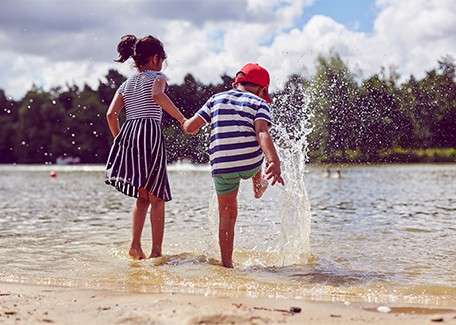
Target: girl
(137, 161)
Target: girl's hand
(185, 127)
(193, 124)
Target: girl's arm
(192, 125)
(112, 115)
(158, 94)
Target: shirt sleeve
(121, 88)
(205, 111)
(264, 113)
(162, 76)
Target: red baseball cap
(256, 74)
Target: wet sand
(32, 304)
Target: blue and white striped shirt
(136, 92)
(233, 145)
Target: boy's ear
(261, 91)
(156, 59)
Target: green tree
(39, 114)
(334, 95)
(379, 120)
(8, 120)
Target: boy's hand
(193, 124)
(185, 127)
(273, 173)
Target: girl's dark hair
(139, 49)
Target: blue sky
(355, 14)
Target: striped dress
(138, 158)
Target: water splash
(292, 115)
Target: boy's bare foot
(136, 253)
(228, 265)
(260, 184)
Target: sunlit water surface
(378, 234)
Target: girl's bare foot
(156, 258)
(136, 253)
(155, 254)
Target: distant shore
(388, 156)
(30, 304)
(396, 155)
(393, 157)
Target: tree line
(377, 119)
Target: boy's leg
(139, 215)
(259, 184)
(227, 204)
(157, 220)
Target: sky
(56, 42)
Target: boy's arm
(112, 115)
(158, 94)
(192, 125)
(267, 145)
(201, 117)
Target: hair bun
(126, 47)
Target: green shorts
(226, 183)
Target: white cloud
(409, 34)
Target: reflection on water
(379, 234)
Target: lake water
(378, 234)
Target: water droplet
(384, 309)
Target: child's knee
(142, 201)
(143, 194)
(155, 201)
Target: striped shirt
(136, 92)
(233, 144)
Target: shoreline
(31, 304)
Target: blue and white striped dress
(138, 157)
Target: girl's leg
(157, 220)
(259, 185)
(139, 215)
(227, 204)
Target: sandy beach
(32, 304)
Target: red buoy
(53, 173)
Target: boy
(239, 120)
